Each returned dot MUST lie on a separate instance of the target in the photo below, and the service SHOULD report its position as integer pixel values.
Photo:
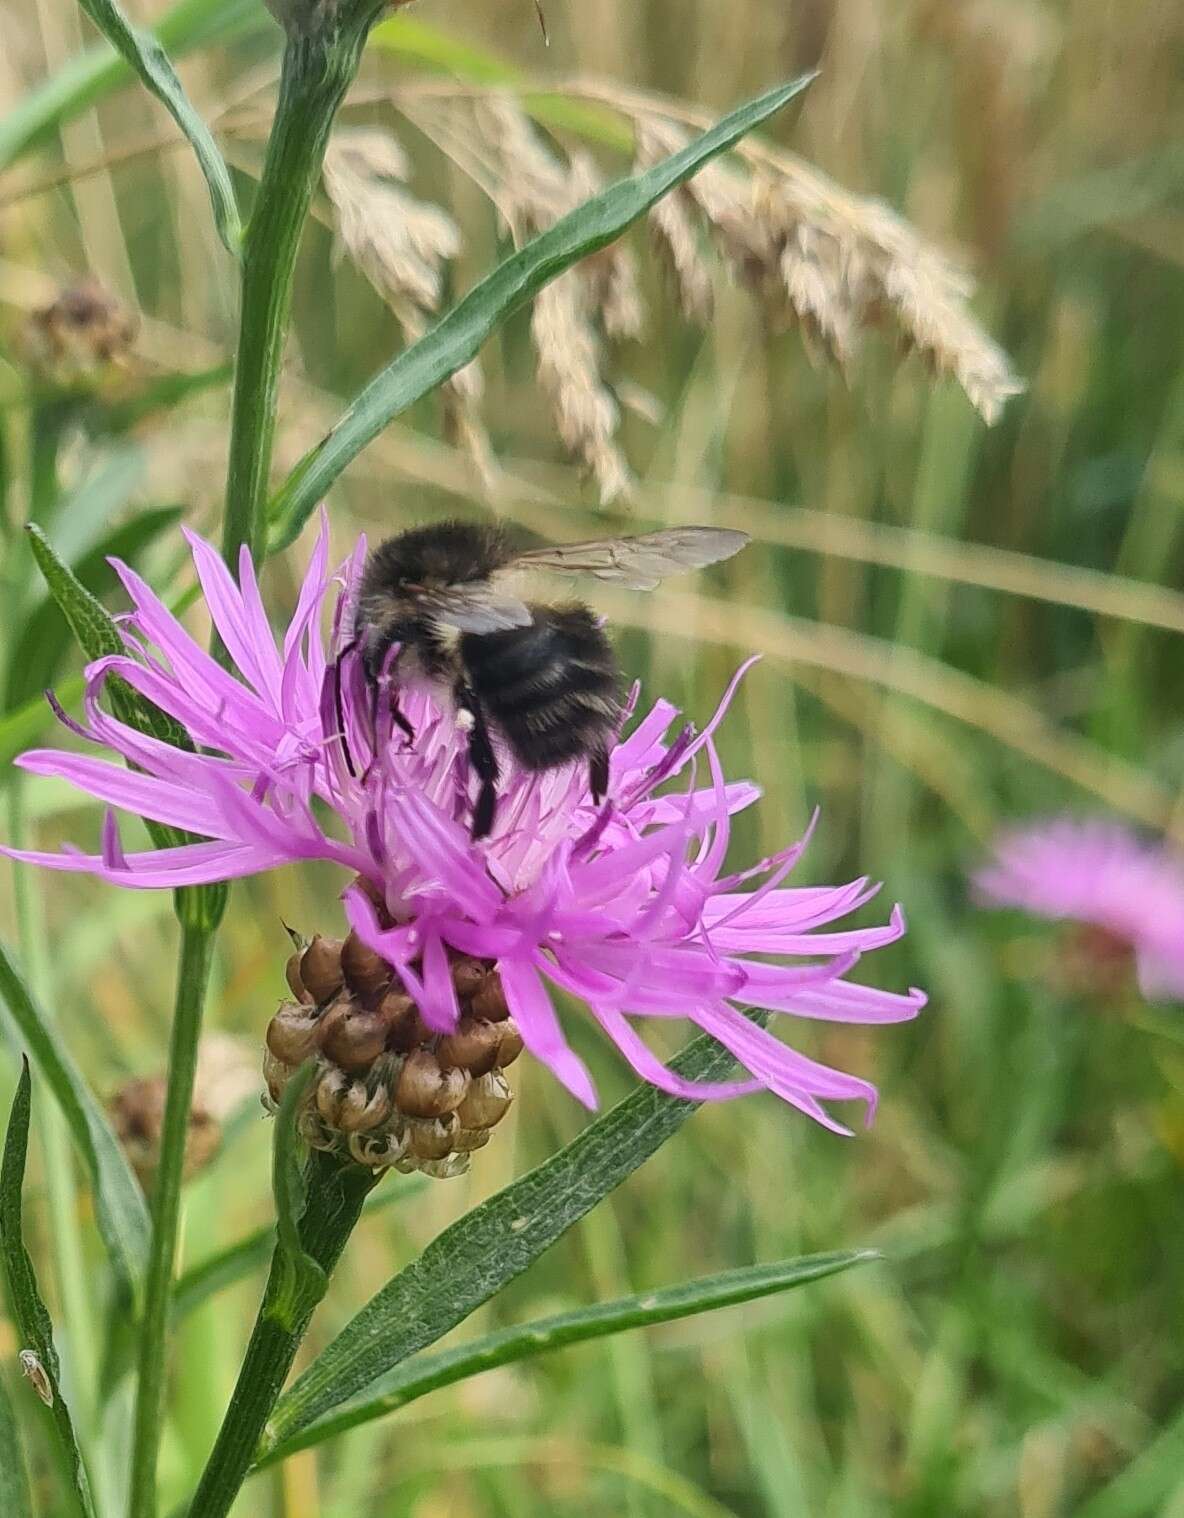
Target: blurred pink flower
(1098, 873)
(626, 907)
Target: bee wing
(641, 562)
(479, 606)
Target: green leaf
(38, 1355)
(428, 1372)
(99, 638)
(300, 1280)
(246, 1255)
(119, 1203)
(143, 51)
(474, 1258)
(99, 71)
(15, 1498)
(197, 906)
(38, 651)
(457, 338)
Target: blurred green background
(984, 641)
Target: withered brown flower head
(80, 338)
(388, 1091)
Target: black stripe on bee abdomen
(551, 688)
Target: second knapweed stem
(320, 62)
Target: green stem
(335, 1193)
(318, 68)
(197, 938)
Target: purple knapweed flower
(1100, 874)
(627, 907)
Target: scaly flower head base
(629, 907)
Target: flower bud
(468, 976)
(356, 1039)
(293, 1033)
(425, 1090)
(388, 1089)
(406, 1029)
(295, 984)
(473, 1046)
(510, 1045)
(486, 1101)
(489, 1002)
(366, 973)
(362, 1110)
(431, 1139)
(320, 968)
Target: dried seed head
(320, 968)
(81, 338)
(137, 1115)
(387, 1088)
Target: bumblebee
(543, 678)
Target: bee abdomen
(550, 688)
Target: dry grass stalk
(835, 263)
(600, 296)
(403, 246)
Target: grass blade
(38, 1355)
(15, 1498)
(419, 1376)
(246, 1255)
(474, 1258)
(120, 1212)
(458, 338)
(143, 51)
(99, 71)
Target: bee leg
(339, 706)
(598, 774)
(399, 718)
(482, 758)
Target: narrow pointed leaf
(120, 1211)
(143, 51)
(456, 340)
(301, 1282)
(475, 1257)
(33, 1326)
(99, 638)
(43, 641)
(426, 1373)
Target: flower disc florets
(629, 907)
